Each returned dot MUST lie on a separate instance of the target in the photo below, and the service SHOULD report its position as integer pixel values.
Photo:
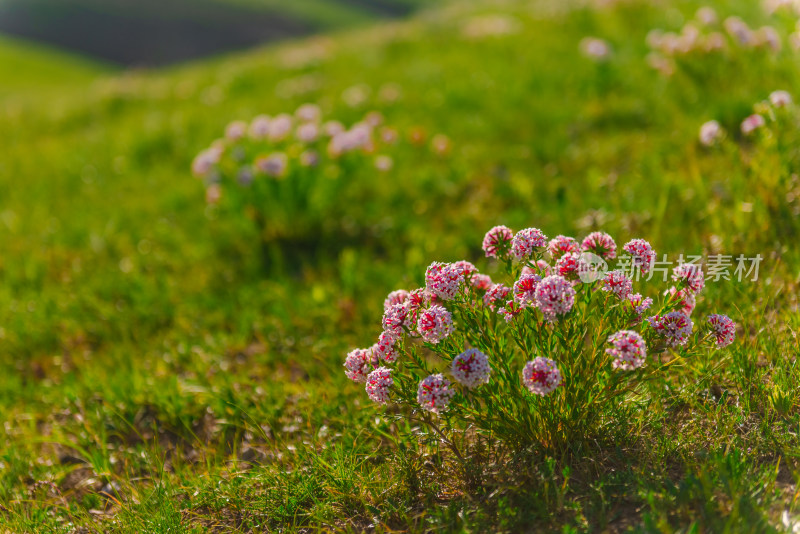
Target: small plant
(293, 175)
(552, 356)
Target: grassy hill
(156, 377)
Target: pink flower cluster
(628, 349)
(471, 368)
(496, 241)
(435, 324)
(445, 279)
(642, 254)
(541, 376)
(675, 327)
(434, 393)
(379, 383)
(554, 296)
(601, 244)
(618, 283)
(723, 329)
(525, 242)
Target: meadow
(159, 375)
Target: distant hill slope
(152, 32)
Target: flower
(600, 243)
(684, 297)
(555, 296)
(378, 384)
(394, 319)
(471, 368)
(710, 133)
(434, 393)
(780, 99)
(675, 326)
(213, 193)
(525, 241)
(466, 267)
(307, 133)
(628, 349)
(561, 245)
(689, 275)
(595, 48)
(435, 324)
(441, 144)
(259, 127)
(309, 158)
(444, 279)
(616, 282)
(274, 165)
(235, 130)
(481, 281)
(280, 127)
(357, 365)
(496, 241)
(204, 162)
(384, 349)
(541, 268)
(496, 293)
(525, 289)
(397, 296)
(308, 113)
(384, 163)
(510, 310)
(642, 254)
(541, 376)
(723, 328)
(639, 304)
(570, 266)
(752, 123)
(333, 128)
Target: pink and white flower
(435, 324)
(385, 349)
(397, 296)
(554, 296)
(541, 376)
(235, 130)
(497, 241)
(690, 276)
(561, 245)
(274, 165)
(752, 123)
(395, 319)
(434, 393)
(675, 327)
(618, 283)
(601, 244)
(496, 295)
(481, 282)
(525, 289)
(723, 329)
(378, 385)
(525, 242)
(628, 349)
(710, 133)
(570, 266)
(780, 99)
(471, 368)
(642, 254)
(639, 304)
(358, 364)
(444, 279)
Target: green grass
(162, 381)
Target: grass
(157, 379)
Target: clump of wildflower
(689, 275)
(525, 289)
(628, 349)
(357, 365)
(444, 279)
(398, 296)
(435, 324)
(642, 254)
(496, 293)
(684, 297)
(675, 327)
(541, 376)
(525, 242)
(601, 244)
(555, 296)
(481, 282)
(710, 133)
(780, 99)
(723, 329)
(471, 368)
(394, 319)
(259, 127)
(280, 127)
(385, 349)
(618, 283)
(561, 245)
(434, 393)
(378, 384)
(752, 123)
(496, 241)
(639, 304)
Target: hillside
(159, 376)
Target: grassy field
(157, 378)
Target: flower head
(628, 349)
(397, 296)
(358, 364)
(555, 296)
(394, 319)
(378, 384)
(642, 254)
(525, 289)
(385, 349)
(204, 162)
(690, 276)
(571, 265)
(496, 241)
(307, 132)
(481, 282)
(780, 99)
(274, 165)
(710, 133)
(435, 324)
(525, 242)
(601, 244)
(434, 393)
(723, 328)
(639, 304)
(280, 127)
(752, 123)
(444, 279)
(618, 283)
(561, 245)
(235, 130)
(675, 326)
(496, 294)
(308, 113)
(259, 127)
(541, 376)
(510, 310)
(471, 368)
